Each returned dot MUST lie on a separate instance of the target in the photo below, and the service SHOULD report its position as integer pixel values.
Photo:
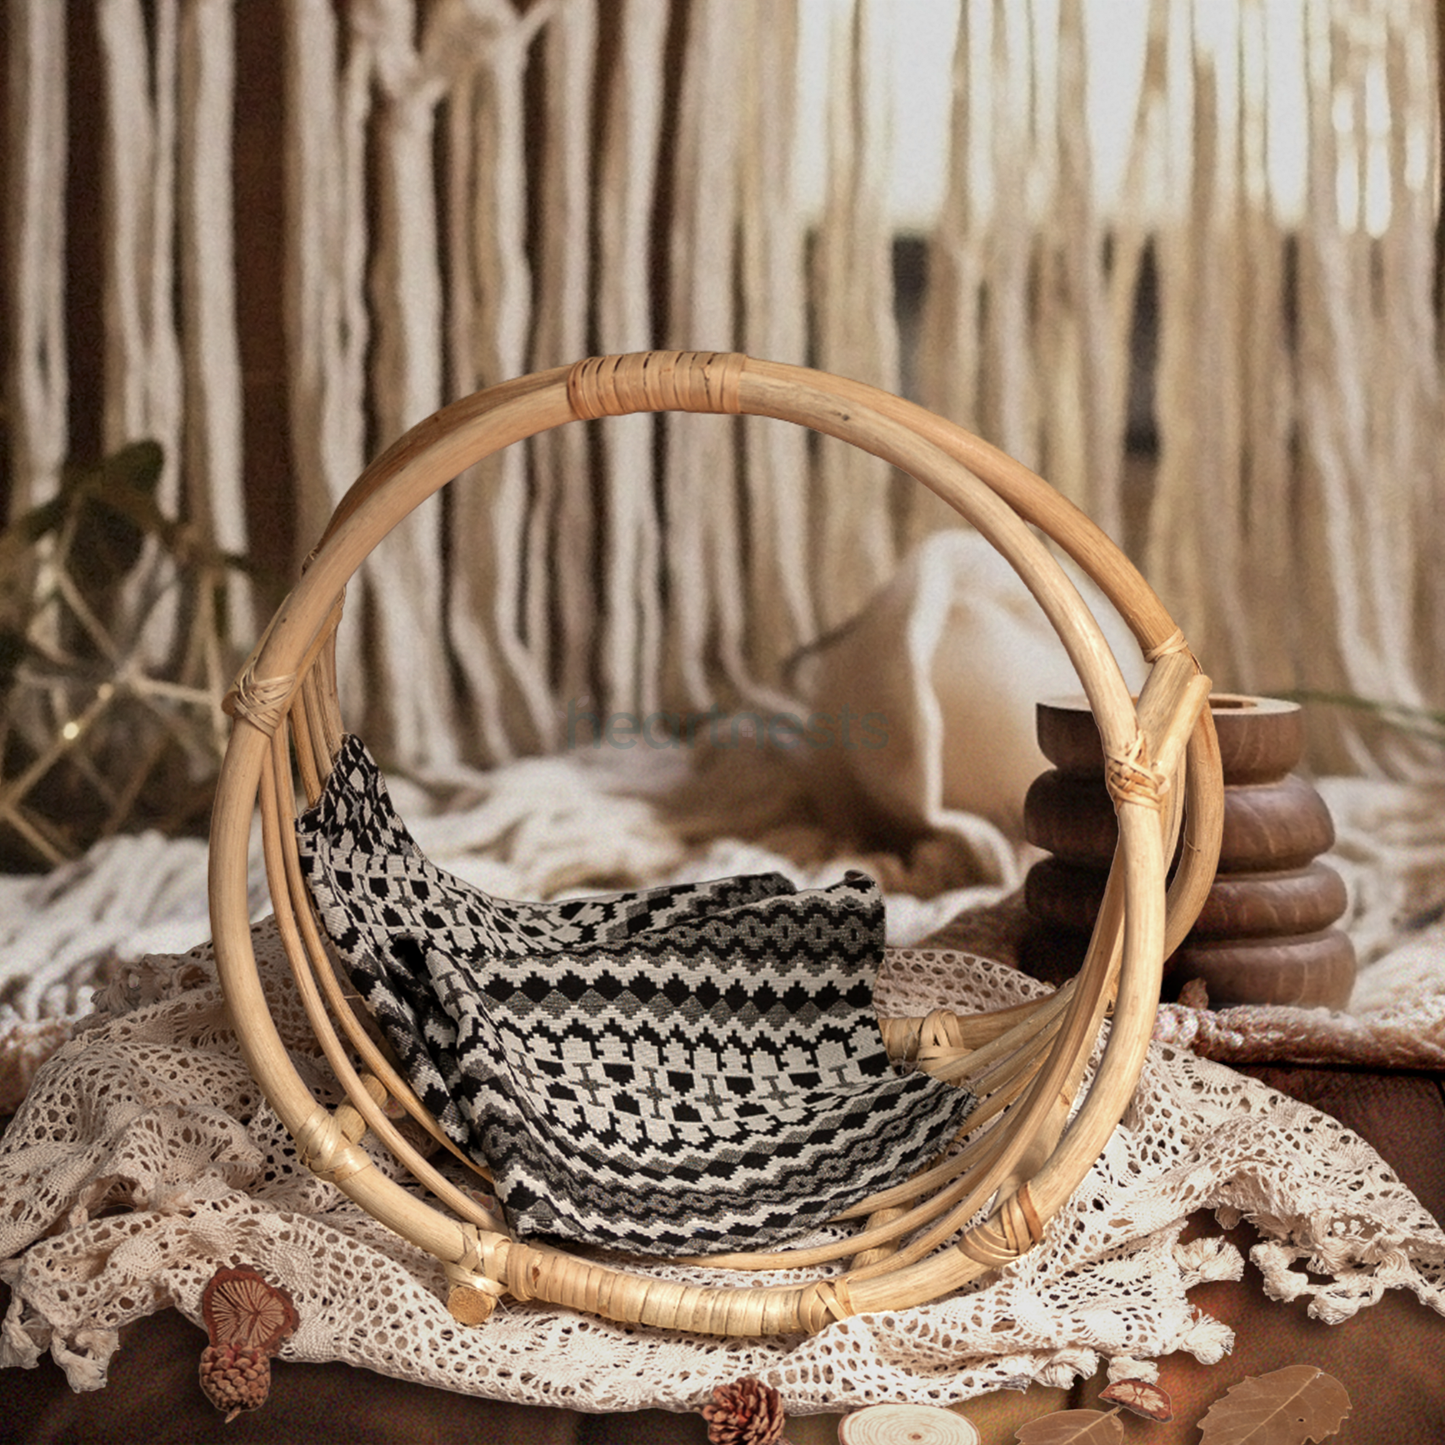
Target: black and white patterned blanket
(690, 1068)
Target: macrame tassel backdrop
(37, 380)
(474, 189)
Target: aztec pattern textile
(695, 1067)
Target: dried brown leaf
(1286, 1407)
(1072, 1427)
(1140, 1396)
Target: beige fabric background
(275, 244)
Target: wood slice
(1268, 827)
(906, 1425)
(1272, 905)
(1316, 971)
(1064, 894)
(1273, 826)
(1239, 905)
(1071, 816)
(1263, 934)
(1051, 953)
(1068, 736)
(1260, 738)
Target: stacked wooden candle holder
(1266, 933)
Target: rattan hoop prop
(984, 1202)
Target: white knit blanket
(143, 1157)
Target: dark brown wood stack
(1266, 933)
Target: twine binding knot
(824, 1303)
(1013, 1231)
(617, 385)
(325, 1150)
(475, 1278)
(1175, 642)
(261, 701)
(1132, 778)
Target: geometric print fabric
(689, 1068)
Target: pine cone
(746, 1413)
(235, 1377)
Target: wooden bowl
(1265, 932)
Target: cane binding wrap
(1016, 1162)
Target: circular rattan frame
(1022, 1155)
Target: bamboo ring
(993, 1197)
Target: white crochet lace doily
(144, 1158)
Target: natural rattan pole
(1003, 501)
(1027, 494)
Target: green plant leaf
(116, 509)
(1419, 721)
